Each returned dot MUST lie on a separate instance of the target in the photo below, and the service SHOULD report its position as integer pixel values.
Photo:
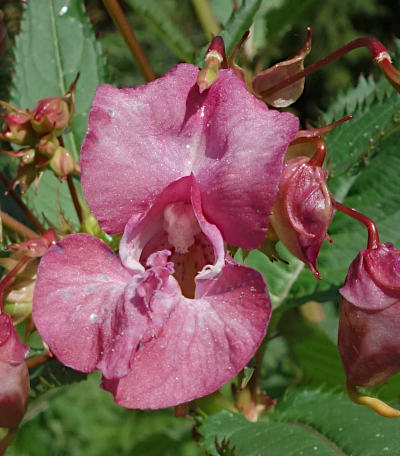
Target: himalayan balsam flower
(172, 317)
(369, 338)
(14, 377)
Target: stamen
(181, 225)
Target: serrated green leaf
(56, 42)
(364, 160)
(306, 423)
(155, 13)
(374, 192)
(313, 350)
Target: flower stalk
(378, 53)
(373, 235)
(17, 226)
(120, 20)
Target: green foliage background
(301, 368)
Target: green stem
(17, 226)
(126, 31)
(206, 18)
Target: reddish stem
(25, 209)
(7, 280)
(314, 132)
(17, 226)
(319, 157)
(36, 361)
(373, 235)
(375, 47)
(124, 27)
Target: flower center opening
(190, 248)
(180, 233)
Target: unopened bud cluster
(39, 133)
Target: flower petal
(78, 300)
(204, 343)
(230, 140)
(134, 146)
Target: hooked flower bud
(269, 78)
(303, 210)
(369, 339)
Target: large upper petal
(204, 343)
(140, 140)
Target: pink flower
(369, 340)
(173, 317)
(14, 377)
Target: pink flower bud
(62, 163)
(35, 247)
(51, 115)
(303, 210)
(48, 145)
(18, 128)
(14, 378)
(369, 339)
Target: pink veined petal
(230, 140)
(91, 311)
(78, 300)
(239, 172)
(204, 343)
(134, 146)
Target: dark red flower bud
(14, 377)
(369, 337)
(303, 210)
